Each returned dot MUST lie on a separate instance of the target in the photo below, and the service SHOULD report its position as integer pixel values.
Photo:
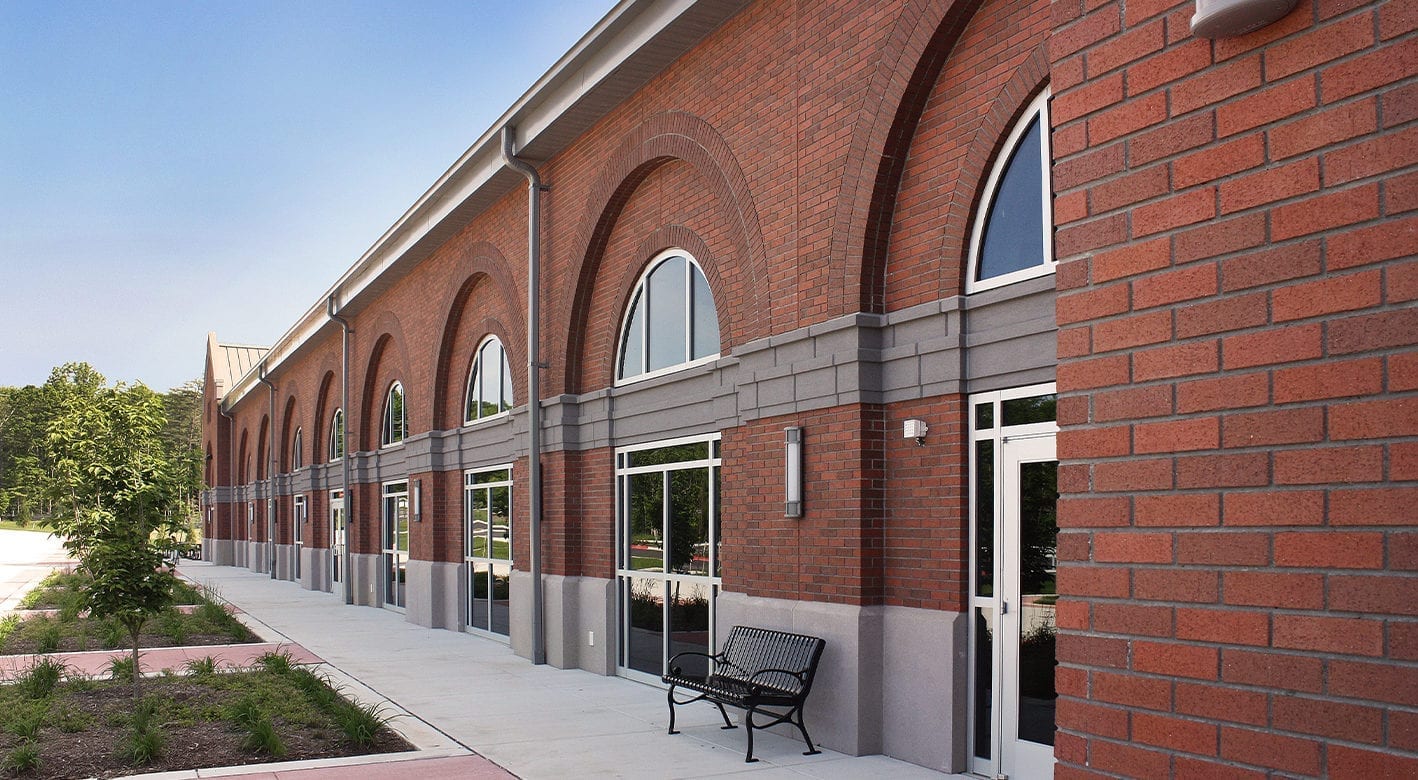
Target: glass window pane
(666, 290)
(484, 477)
(984, 663)
(706, 320)
(500, 600)
(984, 518)
(478, 528)
(1014, 229)
(676, 454)
(478, 601)
(500, 523)
(984, 416)
(1038, 532)
(475, 391)
(646, 506)
(644, 607)
(689, 623)
(632, 346)
(1023, 411)
(689, 521)
(507, 395)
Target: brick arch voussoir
(326, 401)
(661, 138)
(486, 265)
(914, 53)
(389, 355)
(263, 447)
(288, 426)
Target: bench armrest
(675, 669)
(801, 677)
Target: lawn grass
(81, 727)
(32, 525)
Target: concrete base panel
(886, 671)
(256, 553)
(580, 614)
(285, 562)
(365, 580)
(218, 551)
(240, 553)
(433, 594)
(314, 568)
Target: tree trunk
(136, 630)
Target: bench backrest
(748, 650)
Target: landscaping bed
(67, 627)
(56, 727)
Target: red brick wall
(1237, 376)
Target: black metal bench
(756, 668)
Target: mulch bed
(190, 743)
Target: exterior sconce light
(793, 472)
(418, 502)
(916, 429)
(1227, 18)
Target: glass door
(297, 531)
(1014, 470)
(396, 543)
(337, 539)
(487, 534)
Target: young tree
(111, 470)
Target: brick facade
(1230, 326)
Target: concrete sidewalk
(465, 693)
(26, 557)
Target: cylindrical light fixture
(1228, 18)
(793, 472)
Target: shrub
(144, 740)
(38, 681)
(121, 668)
(113, 633)
(70, 720)
(201, 667)
(173, 625)
(23, 758)
(277, 662)
(261, 737)
(25, 720)
(8, 624)
(47, 635)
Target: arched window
(297, 457)
(671, 322)
(489, 383)
(396, 425)
(337, 435)
(1011, 237)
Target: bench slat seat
(757, 667)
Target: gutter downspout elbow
(270, 470)
(534, 365)
(347, 574)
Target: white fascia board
(595, 58)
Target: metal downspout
(348, 575)
(534, 406)
(230, 477)
(270, 471)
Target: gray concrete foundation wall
(219, 551)
(364, 580)
(433, 594)
(891, 680)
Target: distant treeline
(29, 489)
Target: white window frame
(297, 457)
(1039, 107)
(638, 293)
(386, 433)
(472, 372)
(336, 452)
(715, 582)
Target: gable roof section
(231, 362)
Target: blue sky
(173, 168)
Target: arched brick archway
(463, 328)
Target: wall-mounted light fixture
(1228, 18)
(793, 472)
(418, 501)
(916, 429)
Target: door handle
(1004, 607)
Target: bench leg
(811, 748)
(748, 721)
(671, 697)
(728, 724)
